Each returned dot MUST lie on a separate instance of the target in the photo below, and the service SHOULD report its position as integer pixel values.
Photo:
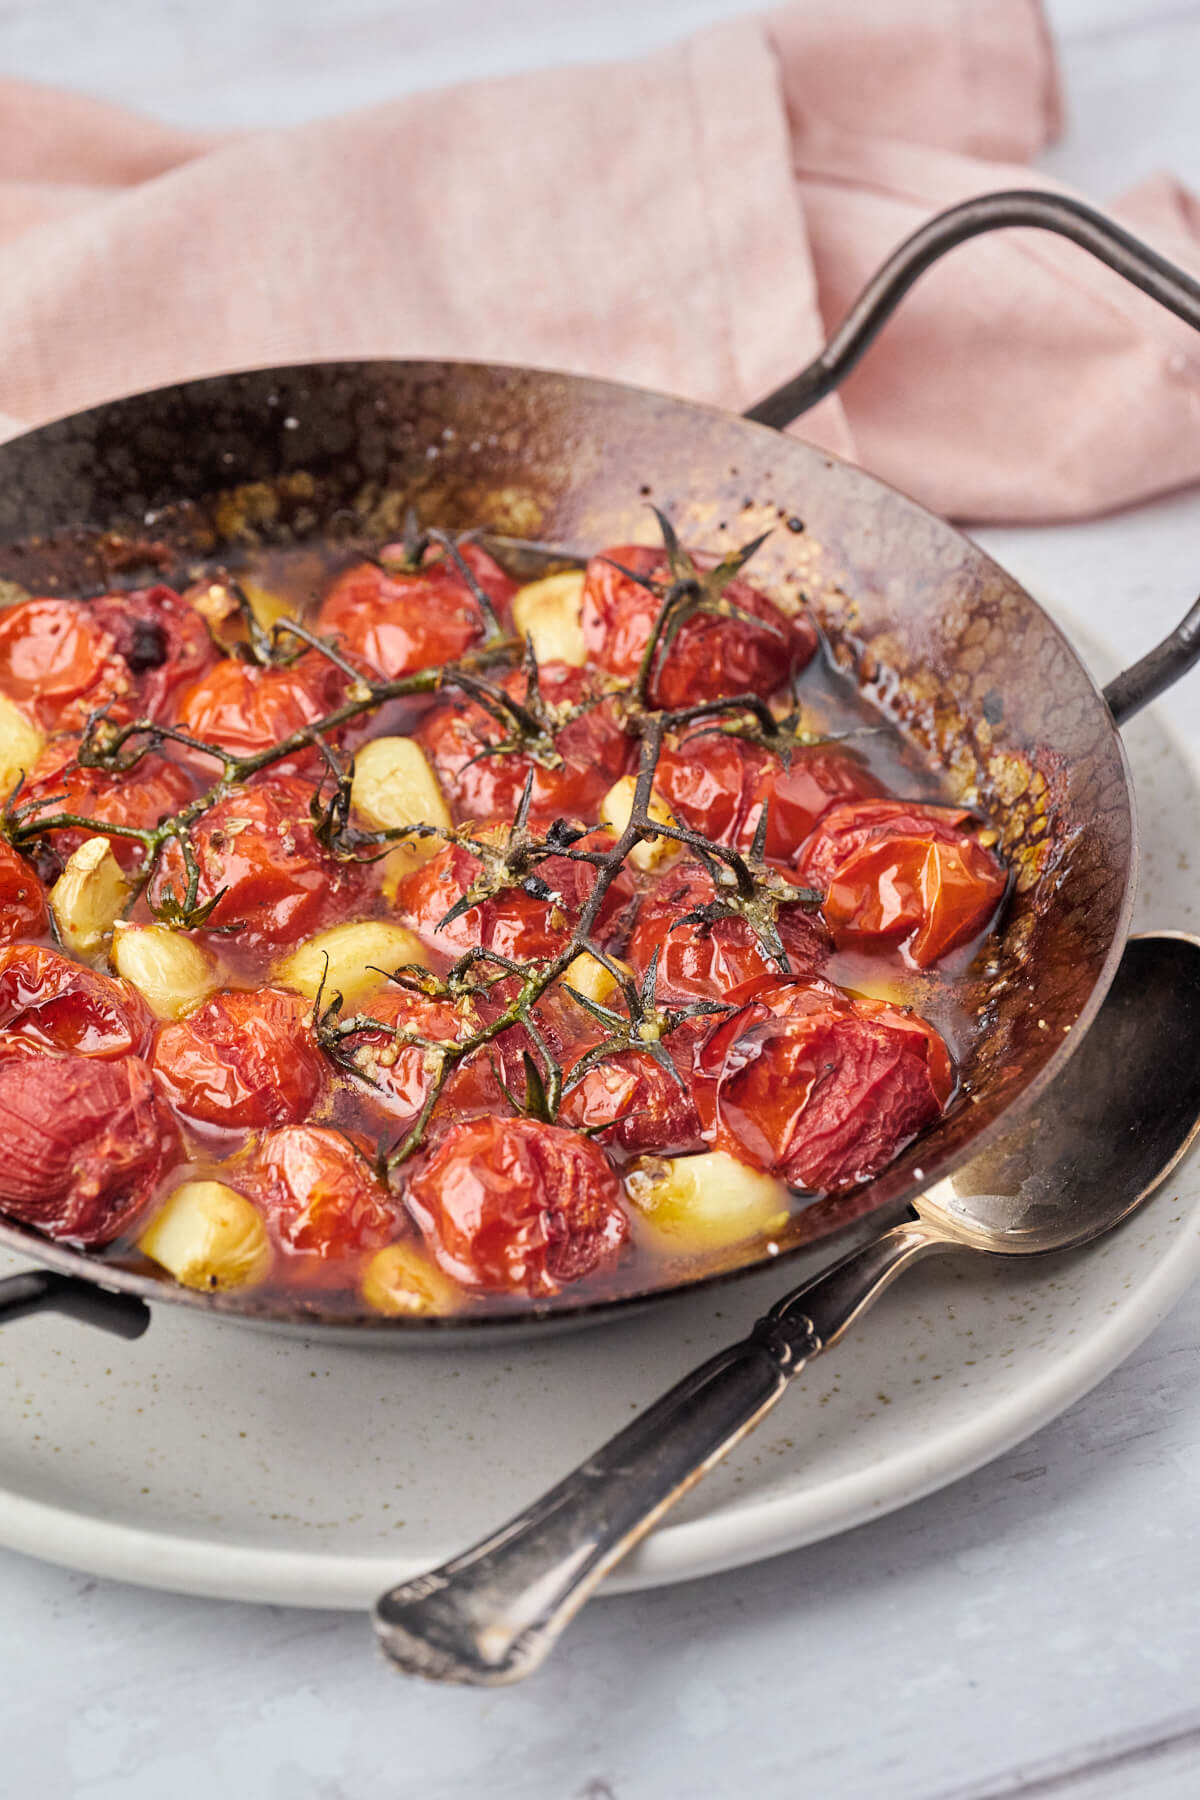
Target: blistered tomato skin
(642, 1105)
(242, 1061)
(698, 961)
(818, 1088)
(399, 622)
(515, 923)
(85, 1144)
(22, 898)
(320, 1194)
(515, 1206)
(277, 886)
(719, 784)
(247, 709)
(712, 656)
(593, 748)
(401, 1075)
(55, 1004)
(157, 788)
(58, 663)
(909, 874)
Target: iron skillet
(934, 631)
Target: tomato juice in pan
(340, 953)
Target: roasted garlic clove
(171, 972)
(88, 897)
(394, 786)
(589, 977)
(549, 612)
(401, 1281)
(706, 1202)
(20, 744)
(208, 1235)
(351, 960)
(615, 811)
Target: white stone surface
(1034, 1630)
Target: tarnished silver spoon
(1106, 1132)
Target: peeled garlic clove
(616, 809)
(88, 897)
(394, 786)
(208, 1235)
(171, 972)
(549, 612)
(20, 744)
(591, 978)
(348, 960)
(402, 1282)
(706, 1202)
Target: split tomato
(398, 621)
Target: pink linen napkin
(696, 222)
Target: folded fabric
(697, 222)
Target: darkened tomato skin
(708, 962)
(85, 1144)
(162, 640)
(319, 1193)
(399, 622)
(515, 1206)
(816, 1087)
(906, 873)
(279, 885)
(242, 1061)
(246, 708)
(718, 785)
(22, 898)
(711, 656)
(514, 923)
(140, 797)
(594, 749)
(53, 1003)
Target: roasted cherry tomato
(60, 1005)
(85, 1144)
(819, 1088)
(697, 960)
(257, 850)
(59, 663)
(592, 748)
(401, 1075)
(398, 622)
(242, 1060)
(719, 784)
(644, 1106)
(515, 1206)
(246, 708)
(162, 640)
(139, 798)
(908, 873)
(712, 655)
(22, 898)
(320, 1193)
(516, 923)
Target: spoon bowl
(1105, 1134)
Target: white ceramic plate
(211, 1459)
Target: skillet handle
(1136, 262)
(43, 1290)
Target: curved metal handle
(1136, 262)
(43, 1290)
(492, 1614)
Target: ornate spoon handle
(492, 1614)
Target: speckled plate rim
(743, 1532)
